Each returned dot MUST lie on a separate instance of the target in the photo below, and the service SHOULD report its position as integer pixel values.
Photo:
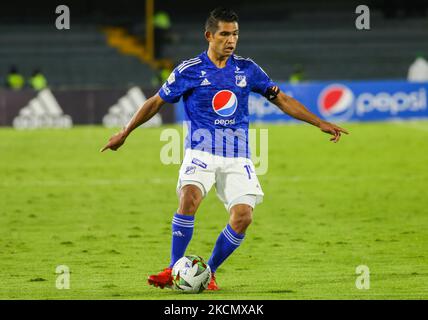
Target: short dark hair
(217, 15)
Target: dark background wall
(320, 36)
(101, 11)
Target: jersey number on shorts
(248, 168)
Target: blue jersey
(216, 102)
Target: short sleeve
(174, 87)
(260, 80)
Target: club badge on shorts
(190, 170)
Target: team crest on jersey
(224, 103)
(241, 80)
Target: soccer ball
(191, 274)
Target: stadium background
(110, 49)
(95, 71)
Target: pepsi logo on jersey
(224, 122)
(224, 103)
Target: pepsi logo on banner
(224, 103)
(335, 102)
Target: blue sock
(182, 231)
(227, 242)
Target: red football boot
(162, 279)
(213, 284)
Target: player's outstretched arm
(144, 114)
(298, 111)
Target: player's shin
(227, 242)
(182, 231)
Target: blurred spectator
(38, 80)
(14, 80)
(161, 76)
(297, 74)
(418, 71)
(162, 26)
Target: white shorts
(234, 178)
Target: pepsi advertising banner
(343, 101)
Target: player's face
(225, 39)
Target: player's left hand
(332, 129)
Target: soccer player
(215, 87)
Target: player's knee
(190, 198)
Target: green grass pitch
(328, 208)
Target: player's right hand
(115, 142)
(332, 129)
